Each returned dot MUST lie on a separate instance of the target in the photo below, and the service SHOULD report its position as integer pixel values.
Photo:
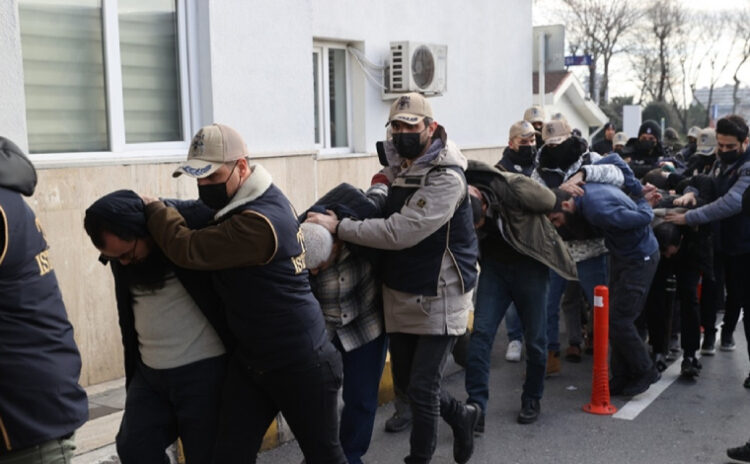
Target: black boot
(690, 367)
(463, 419)
(741, 453)
(530, 409)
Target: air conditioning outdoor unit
(417, 67)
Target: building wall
(255, 76)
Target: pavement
(687, 422)
(675, 421)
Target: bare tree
(718, 30)
(599, 28)
(742, 29)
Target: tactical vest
(734, 236)
(271, 309)
(40, 398)
(416, 270)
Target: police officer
(41, 402)
(429, 270)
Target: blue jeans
(363, 368)
(513, 324)
(591, 272)
(525, 284)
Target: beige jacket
(428, 209)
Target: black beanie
(123, 208)
(650, 127)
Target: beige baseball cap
(706, 142)
(620, 138)
(410, 109)
(521, 129)
(211, 147)
(534, 114)
(555, 132)
(694, 132)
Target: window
(332, 107)
(104, 75)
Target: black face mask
(409, 144)
(563, 155)
(527, 152)
(619, 152)
(644, 147)
(729, 157)
(215, 195)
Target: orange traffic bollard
(600, 383)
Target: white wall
(565, 106)
(12, 101)
(262, 70)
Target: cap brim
(411, 119)
(556, 140)
(197, 168)
(705, 151)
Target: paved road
(689, 422)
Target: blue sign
(584, 60)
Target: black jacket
(197, 283)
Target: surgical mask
(409, 144)
(729, 157)
(215, 195)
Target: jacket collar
(253, 187)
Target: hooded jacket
(40, 398)
(431, 206)
(522, 205)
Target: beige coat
(428, 209)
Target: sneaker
(513, 353)
(530, 409)
(397, 423)
(708, 348)
(641, 384)
(727, 344)
(690, 367)
(573, 354)
(553, 363)
(741, 453)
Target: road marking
(639, 403)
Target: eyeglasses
(128, 256)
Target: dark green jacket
(523, 204)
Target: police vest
(416, 270)
(271, 309)
(734, 236)
(40, 398)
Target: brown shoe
(573, 354)
(553, 363)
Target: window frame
(119, 150)
(324, 111)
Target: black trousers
(658, 310)
(307, 395)
(630, 280)
(163, 404)
(417, 363)
(737, 277)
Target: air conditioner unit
(417, 67)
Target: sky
(621, 81)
